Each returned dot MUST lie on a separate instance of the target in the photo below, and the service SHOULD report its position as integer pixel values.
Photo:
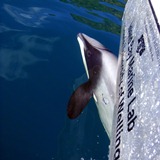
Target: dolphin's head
(91, 55)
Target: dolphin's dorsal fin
(79, 99)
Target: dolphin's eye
(88, 52)
(96, 70)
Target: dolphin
(101, 68)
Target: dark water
(40, 64)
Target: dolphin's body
(101, 69)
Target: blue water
(40, 64)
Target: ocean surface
(40, 66)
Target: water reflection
(109, 14)
(33, 17)
(96, 14)
(98, 5)
(13, 59)
(4, 28)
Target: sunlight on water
(40, 63)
